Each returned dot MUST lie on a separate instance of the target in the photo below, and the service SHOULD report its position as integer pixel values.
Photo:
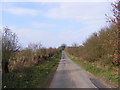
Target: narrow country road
(70, 75)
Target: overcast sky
(54, 23)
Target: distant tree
(9, 46)
(74, 45)
(63, 46)
(34, 46)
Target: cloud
(22, 11)
(41, 25)
(91, 15)
(82, 12)
(58, 0)
(51, 38)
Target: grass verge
(105, 75)
(34, 77)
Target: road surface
(70, 75)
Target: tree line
(100, 48)
(103, 47)
(16, 59)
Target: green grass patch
(34, 77)
(104, 74)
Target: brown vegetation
(115, 20)
(27, 58)
(97, 49)
(15, 59)
(102, 48)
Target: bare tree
(0, 50)
(9, 46)
(74, 45)
(34, 46)
(116, 22)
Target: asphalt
(71, 75)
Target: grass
(34, 77)
(107, 76)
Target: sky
(54, 23)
